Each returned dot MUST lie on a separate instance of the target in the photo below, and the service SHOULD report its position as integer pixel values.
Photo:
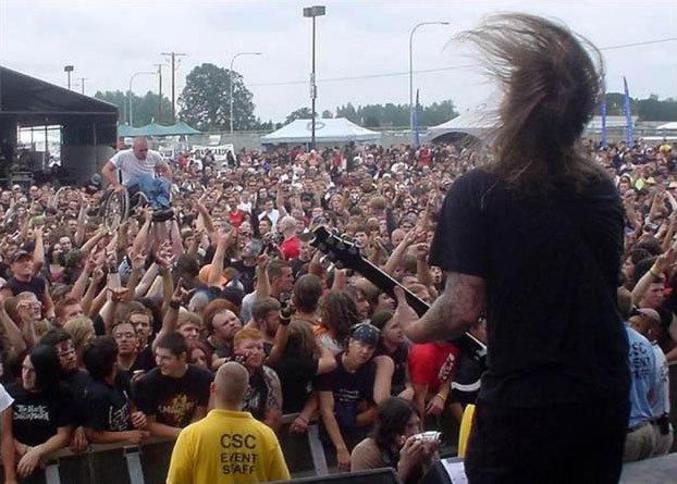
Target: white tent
(475, 122)
(337, 130)
(669, 126)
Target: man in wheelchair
(144, 174)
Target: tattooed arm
(457, 308)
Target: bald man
(228, 445)
(141, 169)
(133, 164)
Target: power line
(439, 69)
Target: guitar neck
(387, 283)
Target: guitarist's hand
(404, 313)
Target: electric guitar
(345, 253)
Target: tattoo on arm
(455, 310)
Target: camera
(429, 436)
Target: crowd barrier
(149, 462)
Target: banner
(628, 114)
(603, 113)
(219, 152)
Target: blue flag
(628, 114)
(603, 113)
(417, 138)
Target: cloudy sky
(362, 45)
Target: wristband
(175, 305)
(444, 399)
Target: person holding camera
(396, 441)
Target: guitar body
(346, 254)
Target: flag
(628, 114)
(417, 139)
(603, 113)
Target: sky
(108, 41)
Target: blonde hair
(81, 330)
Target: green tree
(326, 114)
(205, 100)
(301, 113)
(349, 112)
(145, 108)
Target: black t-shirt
(77, 382)
(399, 357)
(107, 408)
(465, 387)
(36, 285)
(173, 401)
(349, 389)
(296, 375)
(37, 416)
(551, 268)
(144, 361)
(247, 275)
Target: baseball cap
(366, 333)
(20, 254)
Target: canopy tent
(672, 125)
(157, 130)
(475, 122)
(337, 130)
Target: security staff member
(228, 445)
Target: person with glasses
(349, 394)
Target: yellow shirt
(227, 447)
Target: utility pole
(68, 70)
(173, 55)
(159, 104)
(82, 84)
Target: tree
(145, 108)
(205, 100)
(301, 113)
(326, 114)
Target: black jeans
(577, 443)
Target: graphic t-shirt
(264, 393)
(36, 285)
(348, 389)
(107, 408)
(36, 416)
(173, 401)
(432, 363)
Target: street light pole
(312, 12)
(68, 69)
(230, 83)
(411, 71)
(131, 114)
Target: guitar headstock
(343, 252)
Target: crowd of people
(116, 337)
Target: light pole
(131, 114)
(68, 69)
(411, 71)
(312, 12)
(230, 83)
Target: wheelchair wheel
(114, 209)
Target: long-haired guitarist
(535, 240)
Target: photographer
(396, 442)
